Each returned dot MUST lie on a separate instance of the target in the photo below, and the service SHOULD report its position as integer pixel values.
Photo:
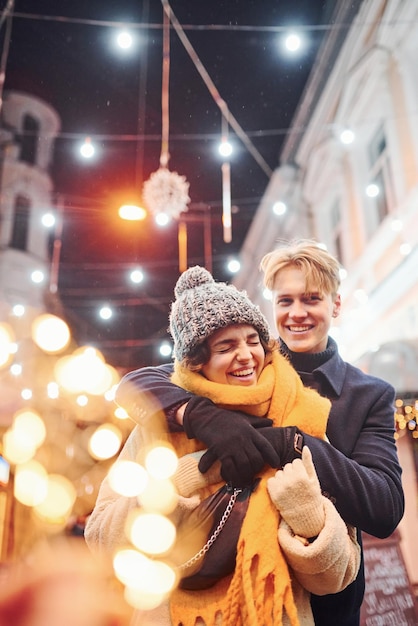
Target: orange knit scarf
(260, 588)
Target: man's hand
(231, 437)
(287, 442)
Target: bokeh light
(105, 442)
(59, 500)
(161, 461)
(127, 478)
(151, 533)
(50, 333)
(30, 425)
(31, 483)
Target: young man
(360, 471)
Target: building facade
(28, 130)
(348, 177)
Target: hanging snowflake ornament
(166, 192)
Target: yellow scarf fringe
(260, 588)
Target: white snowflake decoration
(166, 192)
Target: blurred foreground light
(105, 442)
(7, 339)
(151, 533)
(159, 496)
(59, 500)
(143, 600)
(85, 371)
(30, 425)
(130, 565)
(132, 212)
(31, 483)
(161, 462)
(121, 414)
(152, 587)
(127, 478)
(17, 446)
(50, 333)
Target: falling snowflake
(166, 192)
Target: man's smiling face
(302, 319)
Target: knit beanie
(203, 306)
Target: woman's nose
(244, 353)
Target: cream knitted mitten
(188, 479)
(296, 493)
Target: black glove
(286, 440)
(232, 437)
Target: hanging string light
(167, 192)
(226, 189)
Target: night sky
(63, 52)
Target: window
(29, 140)
(336, 229)
(19, 238)
(380, 174)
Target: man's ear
(336, 307)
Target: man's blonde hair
(321, 269)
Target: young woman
(292, 541)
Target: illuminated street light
(105, 313)
(37, 276)
(279, 208)
(48, 220)
(18, 310)
(87, 149)
(292, 42)
(225, 148)
(372, 190)
(124, 40)
(132, 212)
(347, 136)
(136, 276)
(166, 349)
(234, 266)
(162, 219)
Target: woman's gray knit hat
(203, 306)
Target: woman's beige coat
(325, 566)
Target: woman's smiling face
(236, 356)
